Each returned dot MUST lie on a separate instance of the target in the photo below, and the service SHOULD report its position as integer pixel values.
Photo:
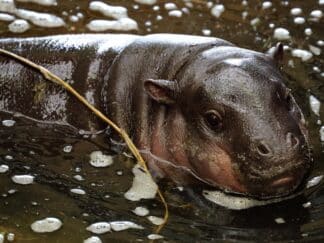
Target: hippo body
(202, 104)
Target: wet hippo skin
(201, 104)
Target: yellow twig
(52, 77)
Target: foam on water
(99, 228)
(46, 225)
(78, 191)
(175, 13)
(23, 179)
(308, 31)
(92, 239)
(315, 50)
(41, 2)
(7, 6)
(296, 11)
(98, 159)
(299, 20)
(67, 149)
(316, 14)
(6, 17)
(141, 211)
(148, 2)
(155, 220)
(143, 186)
(4, 168)
(321, 131)
(116, 12)
(302, 54)
(217, 10)
(314, 181)
(281, 34)
(8, 123)
(40, 19)
(266, 5)
(124, 24)
(170, 6)
(124, 225)
(155, 237)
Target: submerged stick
(52, 77)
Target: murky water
(58, 156)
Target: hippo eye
(213, 120)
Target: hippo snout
(290, 145)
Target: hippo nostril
(263, 149)
(292, 140)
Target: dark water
(37, 148)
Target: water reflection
(58, 156)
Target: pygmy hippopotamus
(199, 103)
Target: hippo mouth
(263, 184)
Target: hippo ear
(277, 53)
(160, 90)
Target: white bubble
(307, 204)
(78, 177)
(280, 220)
(124, 24)
(7, 6)
(116, 12)
(41, 19)
(23, 179)
(206, 32)
(124, 225)
(141, 211)
(9, 157)
(99, 227)
(98, 159)
(4, 168)
(281, 34)
(67, 148)
(302, 54)
(296, 11)
(315, 50)
(299, 20)
(315, 104)
(41, 2)
(170, 6)
(255, 21)
(217, 10)
(93, 239)
(46, 225)
(266, 5)
(175, 13)
(10, 123)
(78, 191)
(155, 237)
(155, 220)
(143, 186)
(10, 236)
(314, 181)
(148, 2)
(6, 17)
(308, 31)
(321, 131)
(316, 14)
(320, 43)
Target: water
(58, 157)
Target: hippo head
(230, 119)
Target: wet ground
(58, 157)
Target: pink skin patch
(169, 143)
